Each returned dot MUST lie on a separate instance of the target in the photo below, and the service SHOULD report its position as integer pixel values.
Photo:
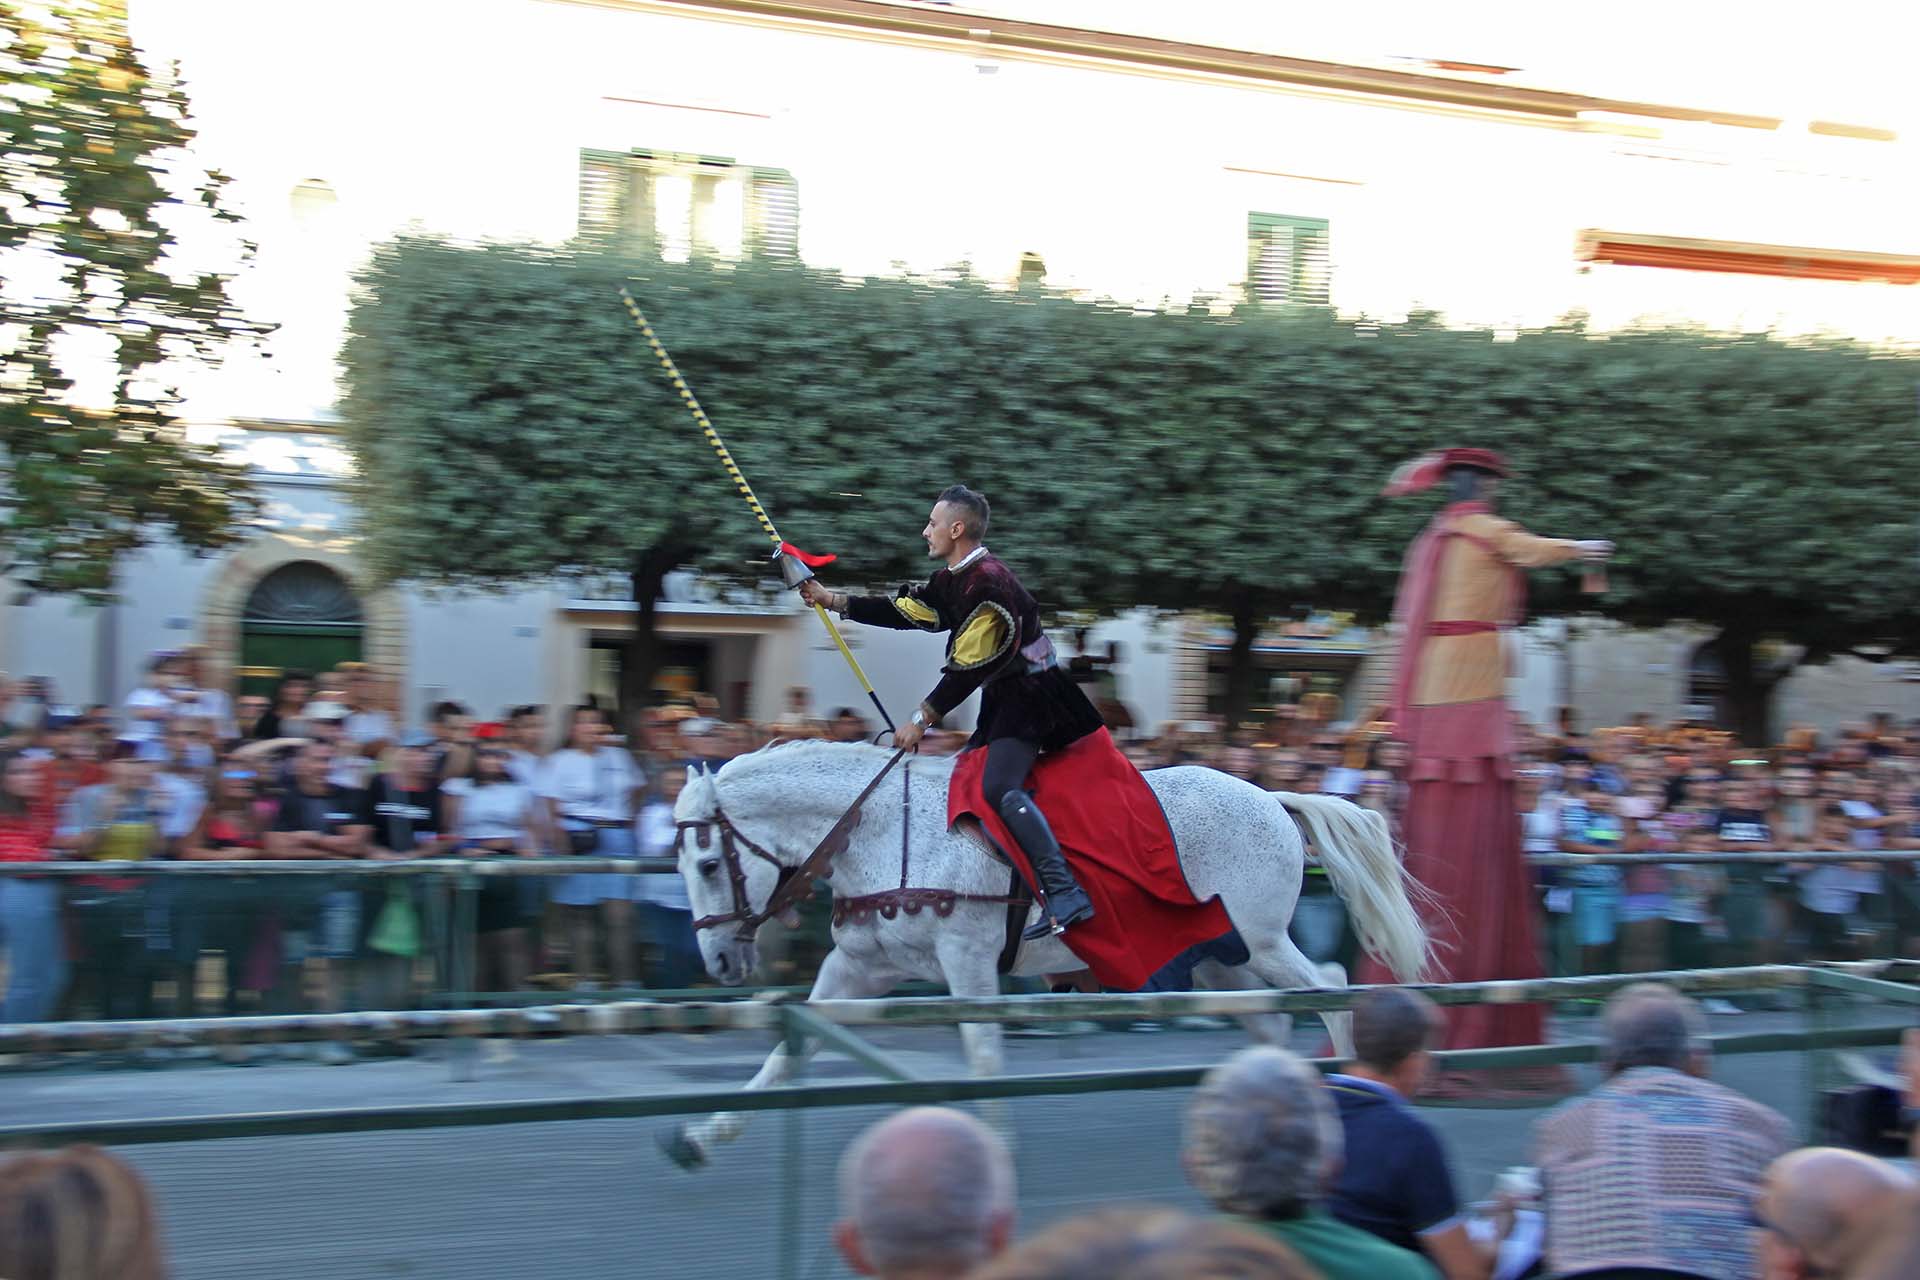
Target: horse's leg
(971, 972)
(1268, 1028)
(1276, 959)
(841, 978)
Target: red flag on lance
(806, 558)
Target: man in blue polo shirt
(1395, 1182)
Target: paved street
(593, 1199)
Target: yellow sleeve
(918, 612)
(983, 637)
(1518, 547)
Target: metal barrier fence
(170, 938)
(783, 1232)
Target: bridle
(732, 840)
(795, 882)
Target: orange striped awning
(1682, 253)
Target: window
(683, 206)
(1286, 260)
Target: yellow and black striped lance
(793, 572)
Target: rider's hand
(909, 736)
(815, 594)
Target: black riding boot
(1066, 902)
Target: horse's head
(730, 879)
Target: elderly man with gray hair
(1263, 1144)
(1654, 1172)
(926, 1194)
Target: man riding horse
(1028, 704)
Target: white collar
(969, 558)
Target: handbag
(396, 930)
(585, 840)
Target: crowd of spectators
(323, 769)
(326, 767)
(1658, 1173)
(1646, 790)
(1310, 1177)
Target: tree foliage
(90, 207)
(509, 424)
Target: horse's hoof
(683, 1150)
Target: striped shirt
(1655, 1169)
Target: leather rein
(795, 882)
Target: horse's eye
(709, 865)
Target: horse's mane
(787, 752)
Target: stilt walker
(1463, 586)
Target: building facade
(1145, 165)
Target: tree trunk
(1240, 668)
(641, 661)
(1749, 690)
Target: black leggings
(1009, 761)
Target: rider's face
(942, 531)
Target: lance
(796, 566)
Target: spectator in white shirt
(365, 731)
(666, 912)
(200, 700)
(493, 817)
(590, 788)
(526, 741)
(148, 709)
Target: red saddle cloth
(1118, 843)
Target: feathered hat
(1426, 471)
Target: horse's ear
(694, 773)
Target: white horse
(1234, 840)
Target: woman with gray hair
(1262, 1143)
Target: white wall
(486, 650)
(467, 116)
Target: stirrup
(1045, 927)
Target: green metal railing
(446, 893)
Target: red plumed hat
(1426, 471)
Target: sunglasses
(238, 775)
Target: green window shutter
(1287, 261)
(773, 215)
(617, 200)
(605, 179)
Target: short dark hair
(1391, 1025)
(11, 806)
(1649, 1024)
(973, 503)
(444, 711)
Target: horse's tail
(1356, 848)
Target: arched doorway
(302, 616)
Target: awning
(1682, 253)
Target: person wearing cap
(1462, 587)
